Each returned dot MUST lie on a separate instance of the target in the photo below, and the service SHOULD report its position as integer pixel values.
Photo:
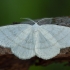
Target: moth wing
(51, 38)
(26, 50)
(13, 36)
(9, 33)
(60, 33)
(44, 48)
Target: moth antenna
(43, 19)
(29, 20)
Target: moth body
(35, 27)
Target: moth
(27, 41)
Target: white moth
(27, 41)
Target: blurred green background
(13, 10)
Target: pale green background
(13, 10)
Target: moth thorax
(35, 27)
